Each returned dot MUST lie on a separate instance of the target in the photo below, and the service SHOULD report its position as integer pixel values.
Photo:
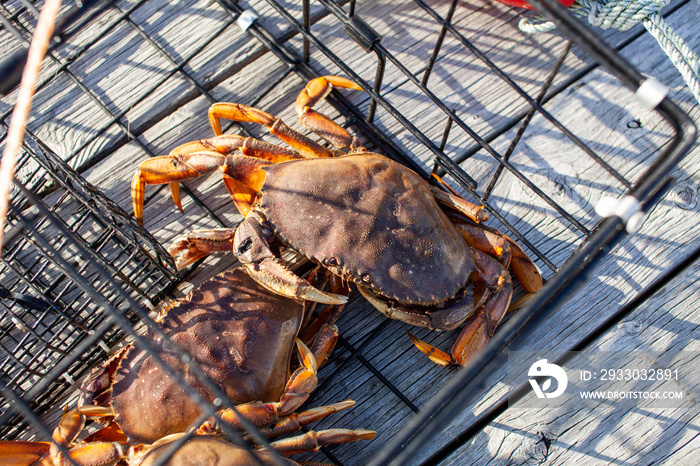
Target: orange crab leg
(294, 421)
(171, 169)
(191, 247)
(324, 341)
(238, 112)
(98, 453)
(475, 333)
(436, 355)
(523, 268)
(479, 329)
(230, 143)
(491, 273)
(486, 241)
(197, 158)
(17, 452)
(247, 170)
(296, 392)
(242, 196)
(500, 246)
(316, 90)
(243, 177)
(111, 433)
(320, 331)
(312, 441)
(495, 284)
(458, 203)
(73, 422)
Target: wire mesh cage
(449, 89)
(46, 315)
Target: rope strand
(624, 14)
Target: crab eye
(366, 278)
(245, 245)
(332, 261)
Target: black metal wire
(30, 340)
(469, 381)
(117, 316)
(603, 328)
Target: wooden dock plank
(583, 435)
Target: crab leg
(316, 90)
(238, 112)
(198, 158)
(296, 392)
(320, 333)
(244, 177)
(479, 238)
(191, 247)
(230, 143)
(73, 422)
(491, 273)
(499, 246)
(294, 422)
(251, 248)
(171, 169)
(523, 268)
(99, 453)
(480, 327)
(458, 203)
(312, 441)
(20, 452)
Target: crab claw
(251, 248)
(315, 91)
(189, 248)
(274, 275)
(172, 169)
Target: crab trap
(449, 89)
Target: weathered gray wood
(667, 323)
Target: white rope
(624, 14)
(20, 113)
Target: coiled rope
(622, 15)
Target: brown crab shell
(370, 220)
(241, 335)
(210, 451)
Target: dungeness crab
(417, 252)
(198, 450)
(243, 337)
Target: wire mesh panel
(450, 88)
(46, 315)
